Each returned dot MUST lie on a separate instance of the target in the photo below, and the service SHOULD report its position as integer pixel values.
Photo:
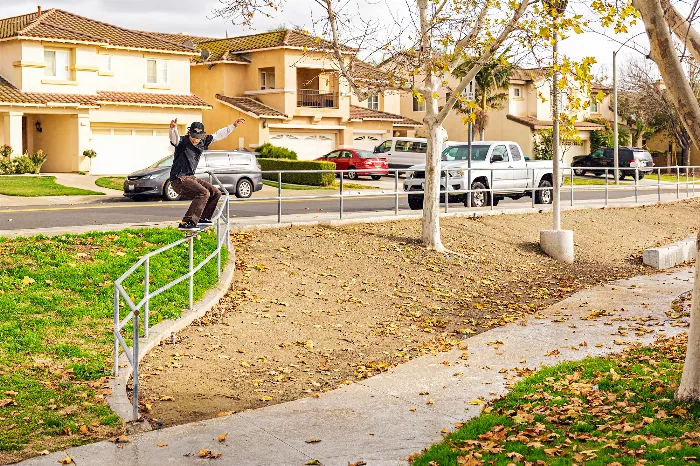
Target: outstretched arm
(174, 136)
(224, 132)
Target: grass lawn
(111, 182)
(56, 318)
(617, 410)
(32, 186)
(582, 181)
(334, 186)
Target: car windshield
(479, 152)
(163, 163)
(365, 154)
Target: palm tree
(491, 91)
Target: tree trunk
(431, 198)
(689, 388)
(663, 53)
(638, 140)
(482, 134)
(685, 156)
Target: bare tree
(436, 38)
(660, 18)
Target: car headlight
(455, 173)
(150, 177)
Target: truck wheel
(415, 202)
(479, 199)
(622, 175)
(544, 196)
(579, 171)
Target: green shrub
(309, 179)
(5, 151)
(28, 163)
(268, 151)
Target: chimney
(38, 9)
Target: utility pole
(616, 158)
(470, 138)
(556, 205)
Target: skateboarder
(188, 149)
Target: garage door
(366, 141)
(122, 151)
(308, 146)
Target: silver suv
(238, 171)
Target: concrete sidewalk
(384, 419)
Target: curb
(118, 401)
(671, 255)
(412, 216)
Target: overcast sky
(195, 17)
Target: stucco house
(288, 88)
(70, 83)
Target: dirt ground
(315, 308)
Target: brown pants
(204, 197)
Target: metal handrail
(532, 190)
(222, 221)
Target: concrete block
(665, 257)
(558, 244)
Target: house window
(418, 106)
(267, 79)
(157, 71)
(517, 92)
(57, 64)
(106, 63)
(594, 107)
(373, 102)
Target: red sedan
(358, 163)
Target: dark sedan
(238, 171)
(636, 161)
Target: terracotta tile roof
(528, 74)
(534, 123)
(179, 38)
(9, 94)
(364, 113)
(265, 40)
(62, 25)
(251, 106)
(600, 87)
(147, 98)
(364, 71)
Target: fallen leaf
(224, 414)
(44, 452)
(122, 439)
(161, 444)
(167, 398)
(312, 462)
(265, 398)
(66, 460)
(208, 454)
(476, 402)
(359, 463)
(222, 437)
(28, 281)
(313, 440)
(84, 430)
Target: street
(123, 211)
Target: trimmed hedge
(309, 179)
(268, 151)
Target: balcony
(313, 98)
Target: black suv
(628, 159)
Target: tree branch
(682, 28)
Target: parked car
(405, 152)
(239, 173)
(357, 163)
(634, 160)
(514, 179)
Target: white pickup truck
(497, 165)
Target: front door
(501, 173)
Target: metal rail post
(341, 195)
(572, 187)
(396, 192)
(115, 368)
(218, 243)
(491, 190)
(658, 184)
(678, 182)
(191, 247)
(687, 186)
(447, 191)
(135, 400)
(636, 182)
(607, 180)
(146, 280)
(534, 190)
(279, 197)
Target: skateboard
(191, 233)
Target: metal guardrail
(221, 221)
(685, 175)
